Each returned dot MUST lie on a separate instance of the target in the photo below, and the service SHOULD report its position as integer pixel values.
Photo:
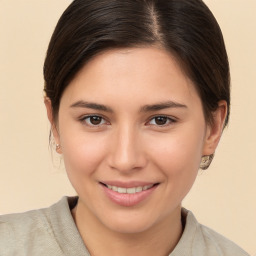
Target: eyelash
(168, 119)
(84, 118)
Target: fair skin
(132, 118)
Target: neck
(160, 239)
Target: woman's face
(132, 133)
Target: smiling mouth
(132, 190)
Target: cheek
(180, 149)
(178, 162)
(178, 156)
(82, 153)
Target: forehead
(143, 73)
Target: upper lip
(130, 184)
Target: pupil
(95, 120)
(161, 120)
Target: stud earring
(57, 147)
(206, 161)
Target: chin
(129, 228)
(129, 223)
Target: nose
(126, 153)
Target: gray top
(52, 231)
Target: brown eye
(93, 120)
(161, 120)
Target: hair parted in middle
(185, 28)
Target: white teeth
(121, 190)
(129, 190)
(115, 188)
(138, 189)
(147, 187)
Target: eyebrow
(162, 105)
(146, 108)
(96, 106)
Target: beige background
(223, 196)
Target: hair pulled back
(185, 28)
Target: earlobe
(214, 130)
(54, 130)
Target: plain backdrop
(222, 198)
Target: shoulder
(28, 232)
(219, 243)
(198, 239)
(26, 220)
(17, 230)
(14, 224)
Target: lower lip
(126, 199)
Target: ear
(214, 130)
(54, 130)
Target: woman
(137, 94)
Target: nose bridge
(127, 151)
